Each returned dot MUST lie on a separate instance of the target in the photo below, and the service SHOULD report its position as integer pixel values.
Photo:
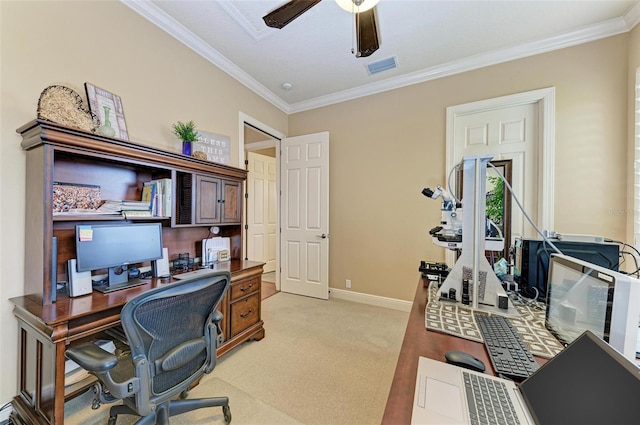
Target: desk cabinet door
(244, 313)
(207, 200)
(231, 201)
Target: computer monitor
(532, 261)
(583, 296)
(115, 247)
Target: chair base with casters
(172, 408)
(173, 333)
(163, 411)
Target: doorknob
(322, 236)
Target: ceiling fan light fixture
(357, 6)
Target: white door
(507, 133)
(520, 127)
(304, 215)
(261, 204)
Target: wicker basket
(64, 106)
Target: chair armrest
(217, 317)
(91, 357)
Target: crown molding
(257, 34)
(166, 23)
(584, 35)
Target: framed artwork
(108, 108)
(215, 146)
(71, 197)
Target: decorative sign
(215, 146)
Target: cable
(635, 257)
(515, 198)
(451, 191)
(637, 269)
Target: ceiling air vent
(382, 65)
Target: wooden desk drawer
(244, 313)
(245, 287)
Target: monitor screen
(533, 256)
(116, 247)
(583, 296)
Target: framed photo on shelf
(72, 197)
(108, 108)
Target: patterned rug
(458, 320)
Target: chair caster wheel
(227, 414)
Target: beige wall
(634, 64)
(159, 80)
(386, 148)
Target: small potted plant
(187, 133)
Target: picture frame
(69, 197)
(217, 147)
(102, 101)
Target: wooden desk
(418, 341)
(45, 331)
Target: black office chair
(173, 332)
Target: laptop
(588, 382)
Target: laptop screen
(587, 383)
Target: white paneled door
(304, 182)
(261, 206)
(507, 133)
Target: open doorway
(302, 210)
(261, 211)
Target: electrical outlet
(348, 283)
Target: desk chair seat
(173, 332)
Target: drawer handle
(247, 314)
(242, 288)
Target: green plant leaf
(185, 131)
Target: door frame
(544, 99)
(244, 119)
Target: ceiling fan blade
(288, 12)
(367, 33)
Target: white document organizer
(211, 246)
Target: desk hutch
(203, 194)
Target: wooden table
(418, 341)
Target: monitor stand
(128, 284)
(119, 279)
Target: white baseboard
(376, 300)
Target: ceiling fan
(365, 20)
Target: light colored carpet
(321, 362)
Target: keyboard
(488, 401)
(509, 355)
(194, 273)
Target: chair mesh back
(164, 323)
